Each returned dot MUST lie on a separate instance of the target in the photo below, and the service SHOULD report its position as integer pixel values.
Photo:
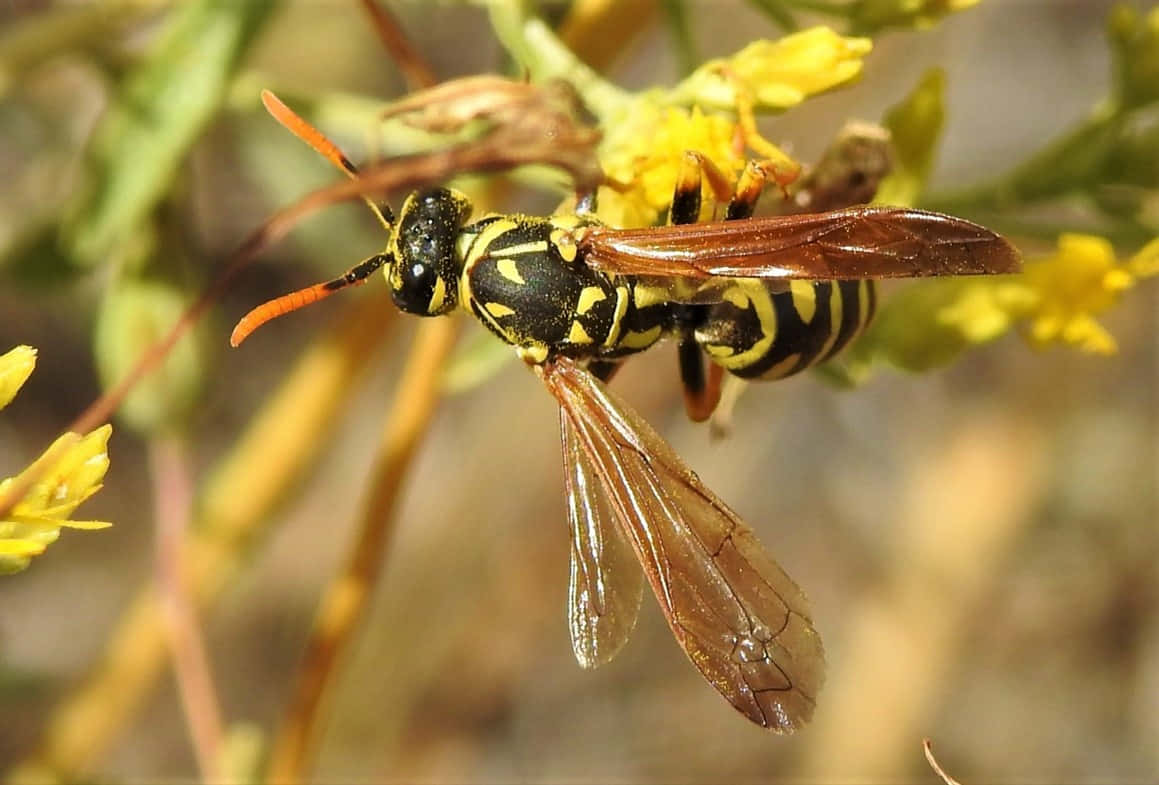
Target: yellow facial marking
(804, 299)
(437, 296)
(589, 297)
(498, 310)
(719, 350)
(578, 334)
(508, 270)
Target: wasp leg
(701, 390)
(748, 191)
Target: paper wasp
(759, 297)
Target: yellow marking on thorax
(483, 241)
(498, 310)
(634, 339)
(510, 271)
(568, 221)
(618, 316)
(472, 247)
(589, 296)
(534, 246)
(565, 244)
(804, 299)
(578, 334)
(535, 352)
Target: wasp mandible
(760, 298)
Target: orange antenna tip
(293, 123)
(279, 306)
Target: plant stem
(264, 467)
(344, 605)
(172, 500)
(1064, 165)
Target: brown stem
(172, 500)
(414, 67)
(236, 502)
(344, 605)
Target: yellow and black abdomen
(761, 330)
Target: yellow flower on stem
(1071, 287)
(776, 75)
(68, 472)
(713, 112)
(15, 368)
(930, 323)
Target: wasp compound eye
(414, 288)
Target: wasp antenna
(294, 123)
(280, 306)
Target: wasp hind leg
(701, 386)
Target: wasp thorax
(424, 278)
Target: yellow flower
(15, 368)
(1057, 298)
(644, 152)
(1070, 287)
(77, 466)
(776, 74)
(713, 113)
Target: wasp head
(424, 275)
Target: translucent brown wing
(606, 582)
(740, 619)
(855, 243)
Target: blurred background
(979, 544)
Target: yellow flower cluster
(75, 467)
(644, 153)
(1065, 291)
(1056, 299)
(713, 113)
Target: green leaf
(161, 109)
(915, 126)
(133, 316)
